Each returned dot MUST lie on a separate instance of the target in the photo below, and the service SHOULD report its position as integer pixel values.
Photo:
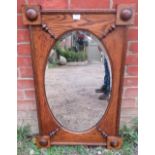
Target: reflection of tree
(68, 52)
(74, 45)
(75, 41)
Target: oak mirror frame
(109, 26)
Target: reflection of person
(80, 41)
(105, 88)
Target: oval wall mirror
(78, 80)
(78, 76)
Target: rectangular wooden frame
(45, 31)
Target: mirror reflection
(78, 80)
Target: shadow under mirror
(78, 80)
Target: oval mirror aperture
(78, 80)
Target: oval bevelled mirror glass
(78, 80)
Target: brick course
(23, 49)
(133, 47)
(26, 97)
(131, 60)
(132, 34)
(97, 4)
(23, 35)
(132, 70)
(26, 72)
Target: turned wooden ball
(31, 14)
(126, 14)
(43, 141)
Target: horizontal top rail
(110, 11)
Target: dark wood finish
(105, 132)
(95, 23)
(43, 141)
(107, 11)
(125, 14)
(31, 14)
(108, 30)
(46, 29)
(114, 142)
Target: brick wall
(26, 99)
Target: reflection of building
(67, 42)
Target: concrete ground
(71, 94)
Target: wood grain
(115, 46)
(95, 23)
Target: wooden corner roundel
(47, 26)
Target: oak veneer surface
(42, 43)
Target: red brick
(116, 2)
(136, 20)
(26, 72)
(23, 35)
(125, 1)
(132, 70)
(19, 3)
(18, 74)
(133, 47)
(92, 4)
(24, 61)
(126, 111)
(23, 49)
(55, 4)
(131, 92)
(30, 94)
(26, 105)
(20, 22)
(26, 102)
(35, 2)
(128, 103)
(24, 84)
(132, 34)
(130, 81)
(20, 94)
(127, 119)
(131, 60)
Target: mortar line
(111, 4)
(69, 4)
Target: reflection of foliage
(73, 56)
(57, 48)
(70, 54)
(26, 145)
